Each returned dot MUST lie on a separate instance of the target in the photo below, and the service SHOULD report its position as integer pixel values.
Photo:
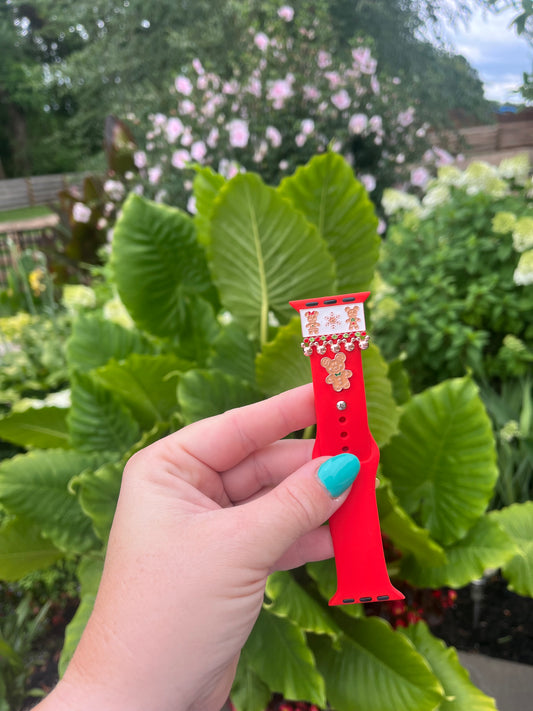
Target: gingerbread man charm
(338, 376)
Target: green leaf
(403, 531)
(35, 486)
(288, 599)
(330, 197)
(89, 574)
(42, 428)
(442, 463)
(264, 253)
(98, 420)
(203, 393)
(278, 653)
(94, 341)
(461, 694)
(206, 187)
(383, 415)
(249, 693)
(23, 549)
(146, 384)
(485, 546)
(234, 353)
(156, 261)
(98, 494)
(517, 522)
(281, 365)
(376, 668)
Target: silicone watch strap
(334, 334)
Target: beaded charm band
(336, 342)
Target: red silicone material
(359, 558)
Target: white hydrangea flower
(76, 296)
(115, 311)
(523, 274)
(514, 344)
(450, 175)
(503, 222)
(510, 431)
(523, 234)
(395, 200)
(435, 196)
(481, 177)
(515, 168)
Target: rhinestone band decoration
(337, 342)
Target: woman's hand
(204, 515)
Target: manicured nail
(339, 472)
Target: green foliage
(218, 334)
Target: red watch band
(342, 426)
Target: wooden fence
(35, 190)
(37, 233)
(512, 134)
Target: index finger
(223, 441)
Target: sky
(494, 49)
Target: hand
(204, 516)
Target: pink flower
(368, 181)
(159, 119)
(311, 93)
(212, 138)
(186, 138)
(191, 205)
(334, 79)
(197, 66)
(374, 85)
(341, 100)
(187, 107)
(81, 212)
(180, 158)
(419, 177)
(286, 13)
(139, 158)
(254, 87)
(174, 129)
(230, 87)
(279, 91)
(198, 151)
(300, 139)
(154, 174)
(406, 118)
(202, 82)
(376, 124)
(443, 157)
(274, 136)
(358, 123)
(238, 133)
(362, 60)
(308, 126)
(261, 41)
(183, 85)
(323, 59)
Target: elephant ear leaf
(263, 253)
(157, 262)
(517, 522)
(327, 193)
(442, 462)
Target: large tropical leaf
(278, 653)
(40, 428)
(264, 253)
(145, 384)
(376, 669)
(330, 197)
(94, 341)
(289, 599)
(461, 694)
(156, 262)
(206, 187)
(35, 486)
(403, 531)
(203, 393)
(281, 364)
(89, 574)
(234, 353)
(98, 420)
(249, 692)
(23, 549)
(383, 415)
(517, 521)
(485, 546)
(442, 463)
(98, 494)
(325, 576)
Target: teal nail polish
(339, 472)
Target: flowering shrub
(290, 97)
(458, 266)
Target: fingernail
(338, 473)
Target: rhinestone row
(347, 342)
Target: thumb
(300, 504)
